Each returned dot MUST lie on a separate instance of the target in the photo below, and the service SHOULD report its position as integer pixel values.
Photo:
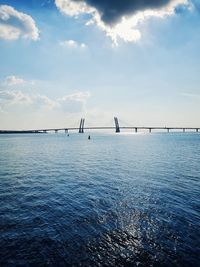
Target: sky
(61, 60)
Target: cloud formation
(13, 80)
(72, 44)
(120, 19)
(70, 103)
(13, 97)
(15, 25)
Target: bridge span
(117, 128)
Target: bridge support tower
(81, 127)
(117, 129)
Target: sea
(114, 200)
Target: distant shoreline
(21, 132)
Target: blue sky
(56, 67)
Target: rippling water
(116, 200)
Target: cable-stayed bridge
(116, 127)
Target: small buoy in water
(88, 137)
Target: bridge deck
(100, 128)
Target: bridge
(116, 127)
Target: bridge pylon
(117, 129)
(81, 127)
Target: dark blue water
(116, 200)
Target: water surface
(114, 200)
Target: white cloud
(83, 45)
(73, 8)
(128, 29)
(42, 101)
(71, 103)
(15, 25)
(14, 97)
(13, 80)
(75, 102)
(11, 96)
(78, 96)
(72, 44)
